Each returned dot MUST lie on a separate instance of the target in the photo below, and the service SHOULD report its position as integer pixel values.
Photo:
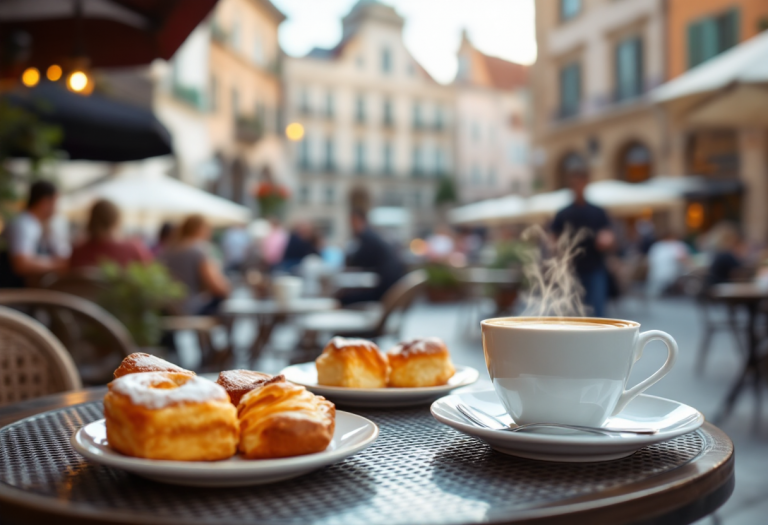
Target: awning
(94, 127)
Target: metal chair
(95, 339)
(369, 321)
(33, 362)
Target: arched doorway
(570, 163)
(635, 163)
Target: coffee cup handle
(642, 340)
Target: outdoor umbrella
(147, 197)
(110, 33)
(96, 128)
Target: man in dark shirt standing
(371, 253)
(590, 263)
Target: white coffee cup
(287, 289)
(567, 370)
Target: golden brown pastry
(352, 363)
(237, 383)
(280, 419)
(168, 415)
(420, 363)
(139, 362)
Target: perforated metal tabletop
(418, 471)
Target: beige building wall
(350, 72)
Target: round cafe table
(418, 471)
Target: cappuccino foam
(561, 324)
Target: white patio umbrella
(493, 210)
(146, 199)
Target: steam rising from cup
(553, 288)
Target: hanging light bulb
(30, 77)
(54, 72)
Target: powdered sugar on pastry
(156, 390)
(341, 343)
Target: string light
(294, 131)
(54, 72)
(79, 82)
(30, 77)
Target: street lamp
(294, 131)
(30, 77)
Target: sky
(432, 33)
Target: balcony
(248, 129)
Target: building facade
(376, 125)
(220, 97)
(597, 60)
(492, 121)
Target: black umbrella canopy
(94, 127)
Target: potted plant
(137, 295)
(513, 256)
(442, 284)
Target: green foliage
(137, 295)
(23, 134)
(441, 276)
(511, 254)
(446, 191)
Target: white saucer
(353, 434)
(305, 374)
(671, 418)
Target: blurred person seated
(34, 246)
(273, 245)
(235, 244)
(102, 242)
(302, 242)
(164, 238)
(371, 253)
(440, 244)
(189, 261)
(726, 258)
(668, 259)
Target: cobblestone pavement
(458, 326)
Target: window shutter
(639, 67)
(710, 39)
(694, 45)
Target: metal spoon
(485, 420)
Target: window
(570, 89)
(329, 105)
(236, 33)
(359, 157)
(711, 36)
(475, 176)
(258, 50)
(304, 101)
(416, 115)
(388, 118)
(418, 168)
(303, 196)
(330, 194)
(492, 177)
(261, 115)
(628, 70)
(439, 162)
(439, 118)
(387, 155)
(304, 153)
(330, 163)
(360, 108)
(386, 61)
(569, 9)
(463, 72)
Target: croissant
(420, 363)
(237, 383)
(280, 419)
(352, 363)
(140, 362)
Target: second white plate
(353, 434)
(305, 374)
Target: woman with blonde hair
(102, 242)
(189, 261)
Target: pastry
(420, 363)
(170, 415)
(237, 383)
(139, 362)
(279, 419)
(352, 363)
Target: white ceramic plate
(353, 434)
(305, 375)
(671, 418)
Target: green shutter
(729, 30)
(694, 44)
(710, 39)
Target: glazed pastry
(139, 362)
(280, 419)
(237, 383)
(169, 415)
(420, 363)
(352, 363)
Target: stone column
(754, 174)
